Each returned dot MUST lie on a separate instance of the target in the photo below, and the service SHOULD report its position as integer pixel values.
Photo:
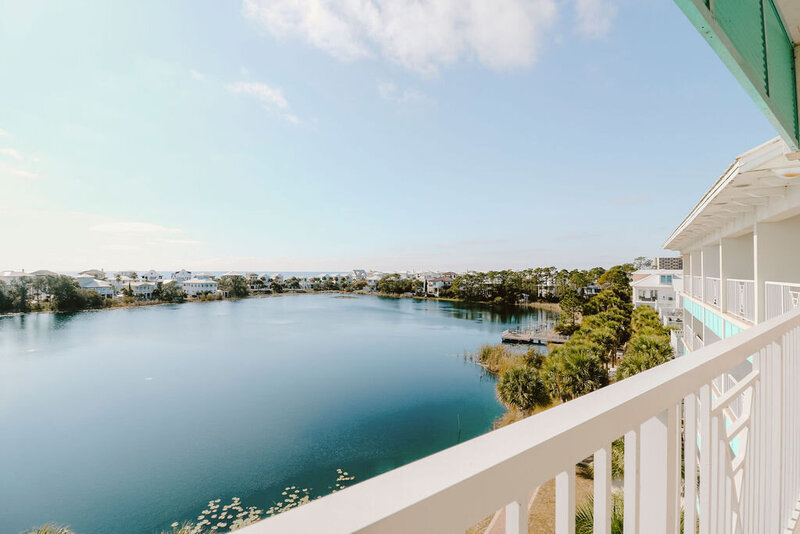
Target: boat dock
(538, 336)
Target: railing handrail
(782, 283)
(457, 487)
(740, 280)
(712, 278)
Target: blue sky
(385, 134)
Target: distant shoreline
(551, 306)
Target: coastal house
(278, 278)
(358, 274)
(710, 439)
(133, 275)
(142, 289)
(94, 273)
(101, 287)
(152, 276)
(433, 286)
(230, 274)
(195, 286)
(659, 289)
(44, 272)
(181, 276)
(202, 276)
(13, 276)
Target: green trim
(751, 40)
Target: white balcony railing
(688, 336)
(780, 298)
(732, 409)
(741, 299)
(712, 294)
(697, 286)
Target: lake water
(127, 420)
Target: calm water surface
(127, 420)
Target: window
(666, 279)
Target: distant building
(94, 273)
(142, 290)
(44, 272)
(181, 276)
(358, 274)
(670, 264)
(230, 274)
(152, 276)
(659, 289)
(13, 276)
(195, 286)
(434, 286)
(100, 287)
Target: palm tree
(642, 353)
(523, 388)
(50, 528)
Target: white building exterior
(142, 290)
(101, 287)
(741, 247)
(152, 276)
(657, 288)
(195, 286)
(181, 276)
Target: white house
(142, 290)
(203, 276)
(181, 276)
(358, 274)
(433, 286)
(277, 278)
(101, 287)
(195, 286)
(152, 276)
(657, 288)
(13, 276)
(95, 273)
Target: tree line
(607, 324)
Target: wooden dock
(535, 336)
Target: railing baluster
(602, 490)
(705, 459)
(690, 462)
(565, 501)
(517, 517)
(658, 467)
(631, 482)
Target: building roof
(93, 272)
(652, 280)
(757, 184)
(199, 281)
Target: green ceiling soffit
(750, 38)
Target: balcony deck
(738, 395)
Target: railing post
(631, 481)
(565, 501)
(690, 462)
(659, 469)
(602, 490)
(517, 517)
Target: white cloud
(271, 98)
(133, 228)
(421, 35)
(12, 152)
(3, 132)
(595, 17)
(389, 91)
(18, 172)
(197, 75)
